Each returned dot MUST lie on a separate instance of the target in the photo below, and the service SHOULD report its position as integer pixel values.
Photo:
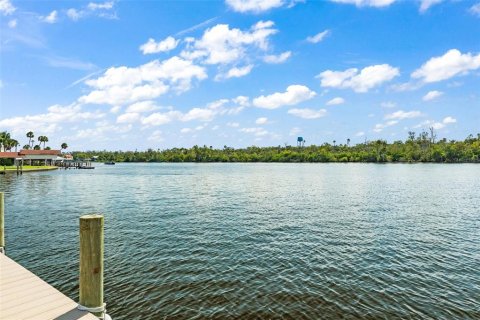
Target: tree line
(416, 148)
(8, 143)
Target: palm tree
(4, 139)
(348, 142)
(43, 139)
(334, 141)
(64, 146)
(30, 137)
(26, 147)
(37, 147)
(14, 143)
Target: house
(47, 157)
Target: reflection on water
(293, 241)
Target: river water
(260, 241)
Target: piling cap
(92, 216)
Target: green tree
(4, 140)
(14, 144)
(30, 137)
(43, 139)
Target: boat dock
(23, 295)
(76, 165)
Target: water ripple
(260, 241)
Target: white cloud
(12, 23)
(335, 101)
(157, 136)
(380, 126)
(426, 4)
(100, 6)
(158, 119)
(294, 131)
(101, 132)
(400, 115)
(255, 6)
(235, 72)
(50, 121)
(388, 104)
(208, 113)
(115, 109)
(308, 113)
(366, 79)
(451, 64)
(143, 106)
(359, 134)
(261, 121)
(6, 7)
(435, 124)
(367, 3)
(129, 117)
(294, 95)
(201, 114)
(101, 10)
(51, 18)
(475, 9)
(406, 86)
(122, 85)
(151, 46)
(222, 45)
(120, 95)
(281, 58)
(318, 37)
(74, 14)
(431, 95)
(233, 124)
(242, 101)
(449, 120)
(258, 131)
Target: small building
(46, 157)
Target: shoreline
(14, 170)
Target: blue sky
(159, 74)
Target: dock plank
(23, 295)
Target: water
(251, 241)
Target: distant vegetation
(421, 148)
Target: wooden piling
(91, 262)
(2, 223)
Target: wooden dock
(23, 295)
(77, 164)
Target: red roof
(39, 152)
(8, 155)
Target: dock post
(2, 223)
(91, 265)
